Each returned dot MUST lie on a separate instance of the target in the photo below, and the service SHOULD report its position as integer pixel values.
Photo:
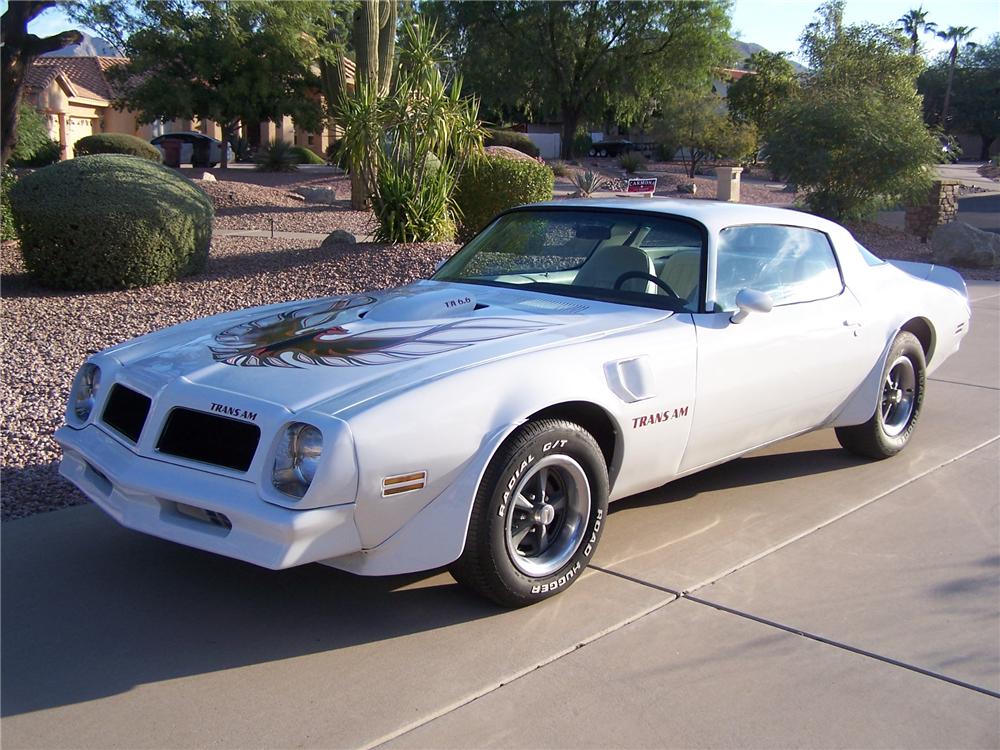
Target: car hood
(343, 350)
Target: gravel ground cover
(47, 335)
(243, 205)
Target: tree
(696, 121)
(18, 52)
(854, 140)
(224, 62)
(975, 103)
(913, 23)
(755, 98)
(956, 35)
(609, 60)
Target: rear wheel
(538, 515)
(900, 400)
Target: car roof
(187, 132)
(715, 215)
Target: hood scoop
(422, 304)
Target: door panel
(773, 375)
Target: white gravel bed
(47, 336)
(240, 205)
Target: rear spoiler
(936, 274)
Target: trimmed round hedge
(307, 155)
(492, 183)
(110, 222)
(116, 143)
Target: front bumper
(200, 509)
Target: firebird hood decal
(308, 336)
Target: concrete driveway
(796, 597)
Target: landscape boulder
(509, 153)
(207, 177)
(340, 237)
(959, 244)
(325, 196)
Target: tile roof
(86, 74)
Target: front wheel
(538, 515)
(900, 400)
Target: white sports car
(573, 353)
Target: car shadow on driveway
(743, 472)
(96, 610)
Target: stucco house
(76, 97)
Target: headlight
(85, 387)
(297, 459)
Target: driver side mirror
(750, 300)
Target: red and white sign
(641, 185)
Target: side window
(792, 264)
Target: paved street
(798, 597)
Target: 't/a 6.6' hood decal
(312, 335)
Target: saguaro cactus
(373, 36)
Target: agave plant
(277, 156)
(588, 183)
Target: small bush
(665, 151)
(7, 180)
(582, 143)
(509, 138)
(277, 156)
(110, 221)
(34, 147)
(307, 155)
(116, 143)
(631, 162)
(491, 184)
(559, 168)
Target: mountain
(745, 49)
(91, 46)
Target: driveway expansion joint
(504, 681)
(969, 385)
(840, 644)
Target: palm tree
(956, 35)
(913, 23)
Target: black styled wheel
(900, 400)
(620, 281)
(538, 514)
(593, 152)
(602, 152)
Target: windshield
(616, 256)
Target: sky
(777, 24)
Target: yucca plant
(588, 182)
(277, 156)
(412, 145)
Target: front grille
(126, 411)
(209, 438)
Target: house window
(310, 138)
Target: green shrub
(665, 151)
(491, 184)
(277, 156)
(34, 147)
(7, 180)
(631, 162)
(582, 143)
(116, 143)
(509, 138)
(110, 221)
(307, 155)
(559, 168)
